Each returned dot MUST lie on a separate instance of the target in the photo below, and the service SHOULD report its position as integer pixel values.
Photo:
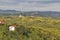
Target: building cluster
(11, 27)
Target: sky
(30, 5)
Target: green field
(30, 28)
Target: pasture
(30, 28)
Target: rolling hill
(53, 14)
(30, 28)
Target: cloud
(37, 0)
(31, 5)
(7, 1)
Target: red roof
(14, 25)
(1, 21)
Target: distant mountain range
(7, 10)
(30, 13)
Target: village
(13, 26)
(10, 27)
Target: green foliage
(30, 28)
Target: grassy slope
(30, 28)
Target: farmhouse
(12, 28)
(1, 21)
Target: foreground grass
(30, 28)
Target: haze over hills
(30, 13)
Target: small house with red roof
(2, 22)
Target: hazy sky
(30, 5)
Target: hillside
(52, 14)
(30, 28)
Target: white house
(21, 16)
(12, 28)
